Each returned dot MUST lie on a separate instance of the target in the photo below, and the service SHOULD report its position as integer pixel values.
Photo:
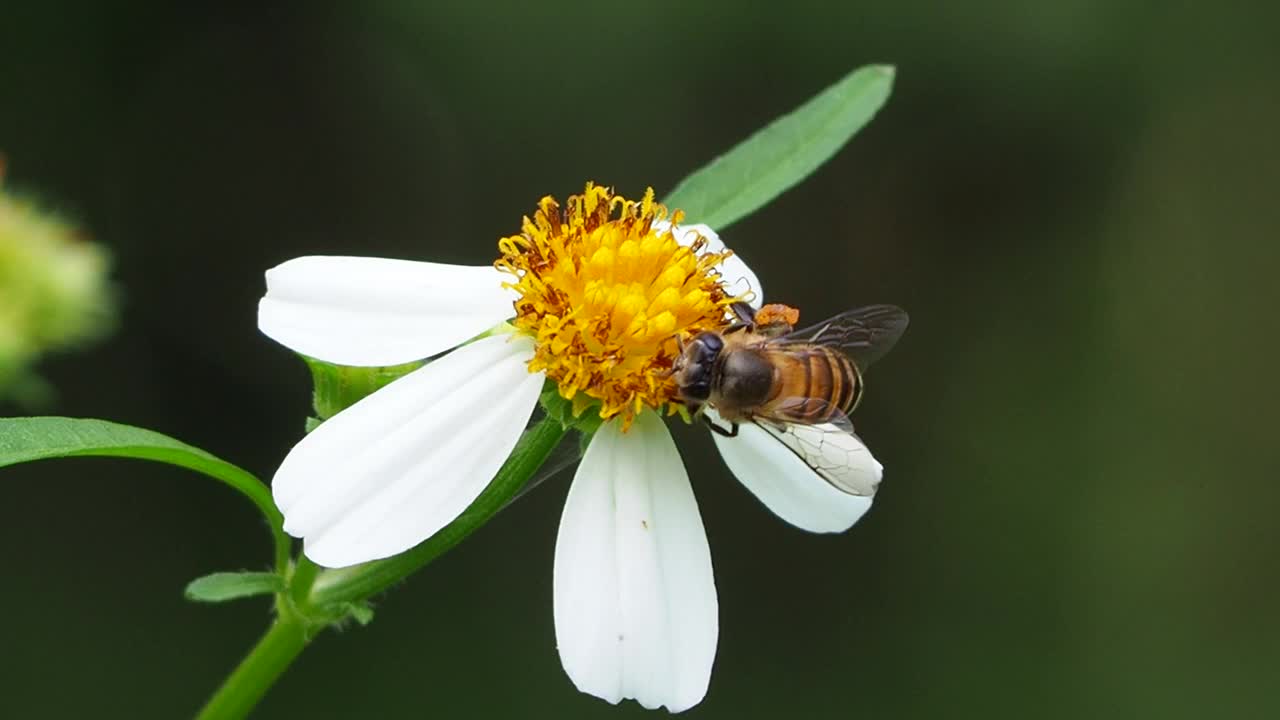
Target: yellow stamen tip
(605, 296)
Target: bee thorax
(746, 380)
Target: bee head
(693, 369)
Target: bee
(798, 385)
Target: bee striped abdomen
(851, 382)
(817, 384)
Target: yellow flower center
(605, 294)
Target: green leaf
(785, 152)
(39, 438)
(223, 586)
(338, 387)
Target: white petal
(789, 487)
(734, 273)
(391, 470)
(635, 601)
(375, 311)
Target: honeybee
(798, 385)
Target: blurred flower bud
(53, 291)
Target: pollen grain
(605, 290)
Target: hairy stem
(255, 675)
(316, 598)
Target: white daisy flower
(598, 293)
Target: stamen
(608, 299)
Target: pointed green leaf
(786, 151)
(361, 612)
(223, 586)
(40, 438)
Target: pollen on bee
(606, 290)
(775, 313)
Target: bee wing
(864, 333)
(798, 409)
(832, 451)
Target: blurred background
(1075, 200)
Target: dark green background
(1075, 200)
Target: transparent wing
(800, 409)
(833, 452)
(864, 333)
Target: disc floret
(605, 289)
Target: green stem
(363, 581)
(304, 576)
(273, 654)
(315, 598)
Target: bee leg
(731, 432)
